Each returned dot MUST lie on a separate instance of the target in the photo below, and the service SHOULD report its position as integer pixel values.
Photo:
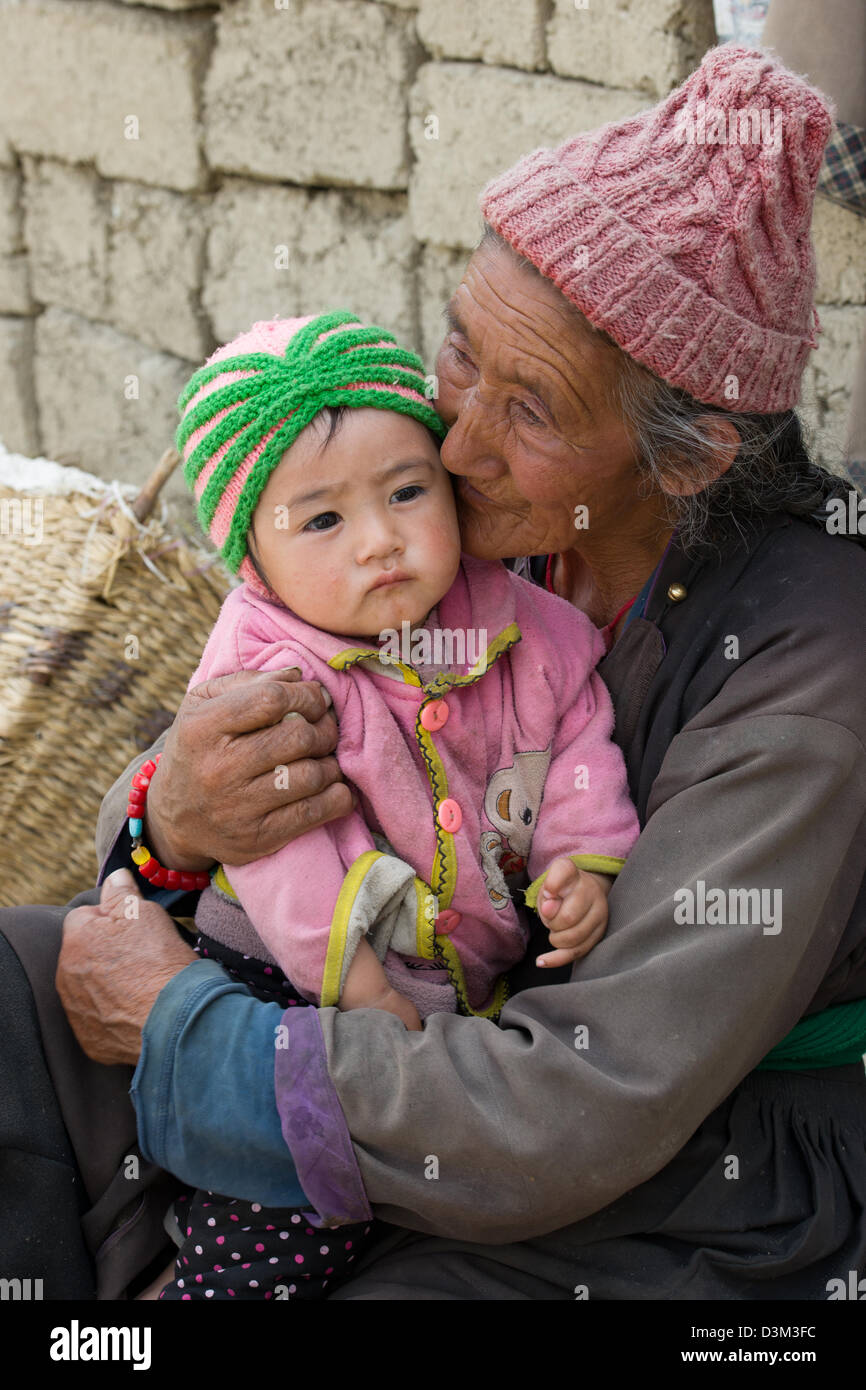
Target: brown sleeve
(588, 1089)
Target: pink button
(447, 921)
(434, 715)
(449, 815)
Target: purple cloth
(314, 1126)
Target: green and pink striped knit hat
(247, 405)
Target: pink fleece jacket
(472, 775)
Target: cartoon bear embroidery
(511, 803)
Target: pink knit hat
(684, 231)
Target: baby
(472, 726)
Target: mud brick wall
(172, 170)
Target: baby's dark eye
(323, 522)
(526, 815)
(408, 493)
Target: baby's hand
(367, 987)
(573, 906)
(395, 1003)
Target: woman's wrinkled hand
(218, 793)
(115, 958)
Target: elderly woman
(684, 1116)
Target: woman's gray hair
(675, 438)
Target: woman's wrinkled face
(523, 385)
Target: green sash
(835, 1037)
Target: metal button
(677, 592)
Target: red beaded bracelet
(148, 866)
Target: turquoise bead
(135, 828)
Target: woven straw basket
(103, 617)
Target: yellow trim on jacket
(443, 874)
(218, 880)
(594, 863)
(333, 972)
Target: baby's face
(359, 535)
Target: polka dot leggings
(235, 1249)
